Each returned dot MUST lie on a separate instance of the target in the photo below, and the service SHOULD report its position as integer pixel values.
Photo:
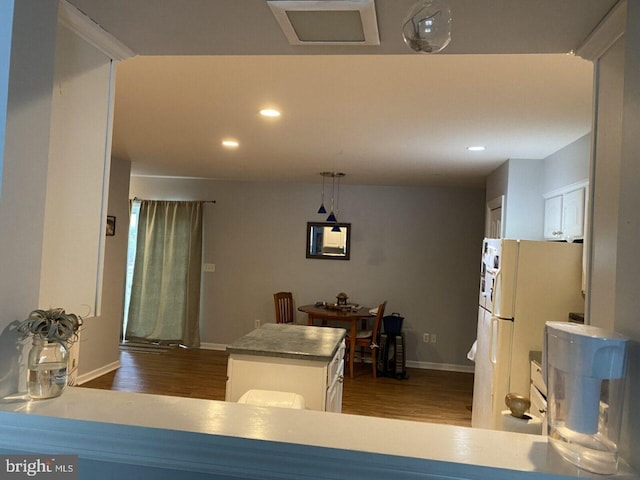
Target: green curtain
(165, 292)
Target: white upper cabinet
(553, 217)
(573, 213)
(564, 213)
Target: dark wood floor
(425, 396)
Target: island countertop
(290, 341)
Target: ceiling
(383, 114)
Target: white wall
(80, 110)
(627, 318)
(24, 174)
(417, 248)
(52, 181)
(614, 302)
(606, 189)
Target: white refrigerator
(523, 285)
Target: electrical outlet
(425, 337)
(257, 324)
(433, 338)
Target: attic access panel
(327, 22)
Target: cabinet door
(334, 391)
(536, 378)
(573, 214)
(553, 218)
(538, 407)
(335, 378)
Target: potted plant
(53, 332)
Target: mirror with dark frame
(328, 241)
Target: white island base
(300, 359)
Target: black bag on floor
(391, 356)
(392, 324)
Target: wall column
(24, 171)
(613, 302)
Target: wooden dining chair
(284, 307)
(367, 340)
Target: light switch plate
(209, 267)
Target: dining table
(346, 314)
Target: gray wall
(568, 165)
(524, 214)
(524, 182)
(498, 182)
(417, 248)
(100, 335)
(520, 181)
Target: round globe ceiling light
(427, 26)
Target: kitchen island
(305, 360)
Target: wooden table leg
(352, 346)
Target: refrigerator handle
(493, 340)
(494, 289)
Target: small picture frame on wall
(111, 226)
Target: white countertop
(441, 443)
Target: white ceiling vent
(327, 22)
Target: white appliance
(523, 284)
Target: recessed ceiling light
(230, 143)
(477, 148)
(269, 112)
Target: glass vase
(46, 369)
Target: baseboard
(449, 367)
(98, 372)
(214, 346)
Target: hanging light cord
(338, 198)
(333, 189)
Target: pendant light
(336, 227)
(323, 210)
(427, 26)
(332, 216)
(335, 195)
